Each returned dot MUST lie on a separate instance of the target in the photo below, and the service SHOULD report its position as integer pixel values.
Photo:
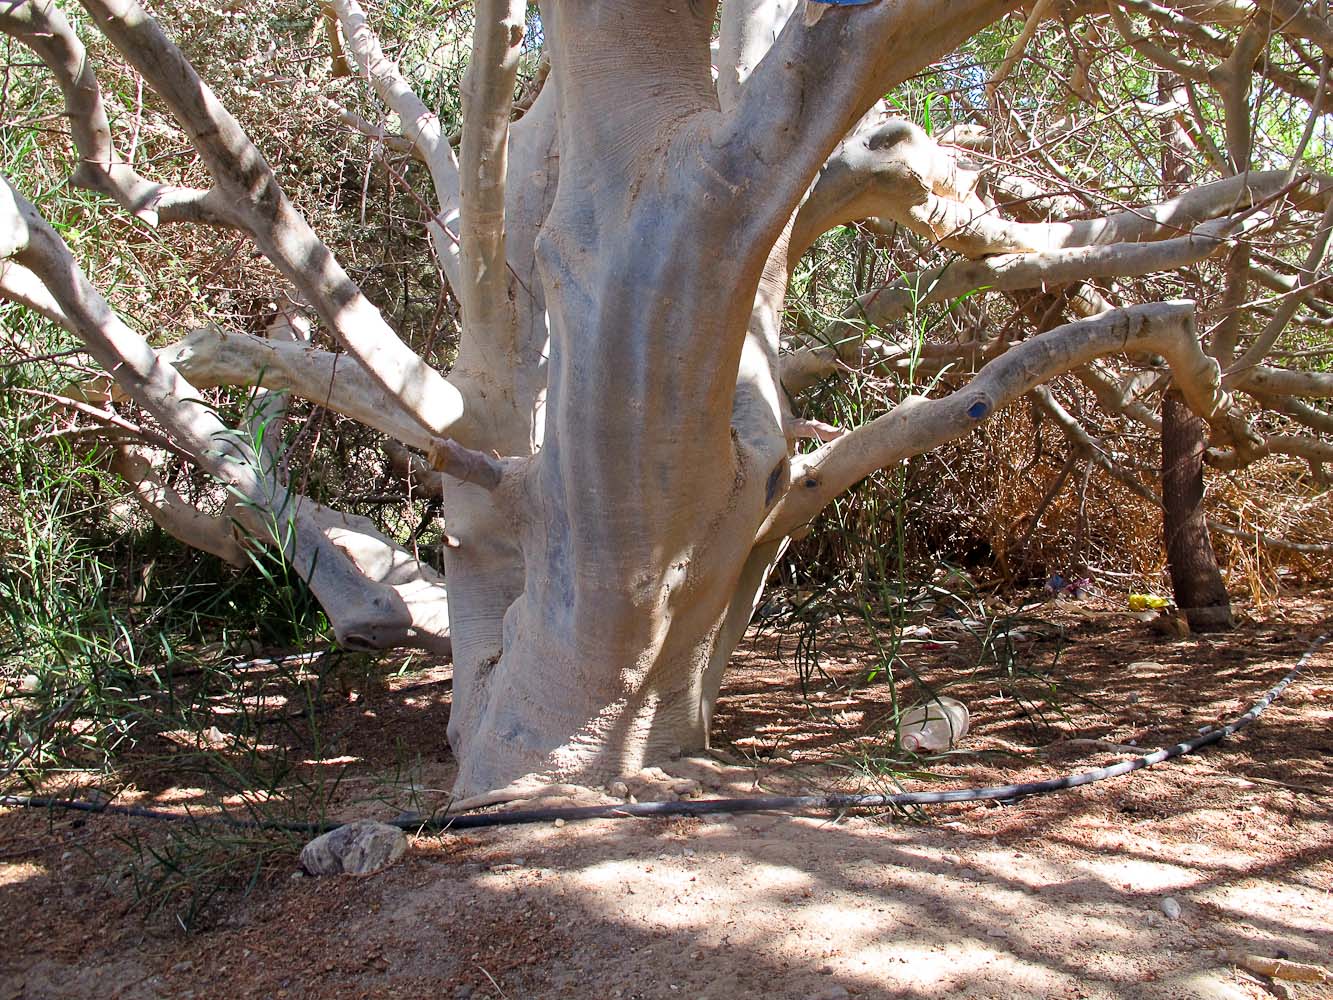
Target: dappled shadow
(1049, 896)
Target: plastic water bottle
(935, 725)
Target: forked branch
(244, 177)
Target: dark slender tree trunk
(1195, 577)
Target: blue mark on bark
(978, 409)
(774, 478)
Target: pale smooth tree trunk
(615, 441)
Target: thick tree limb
(894, 170)
(1283, 381)
(816, 82)
(465, 464)
(804, 367)
(917, 424)
(41, 26)
(375, 594)
(488, 96)
(748, 30)
(208, 357)
(245, 179)
(173, 513)
(421, 127)
(18, 284)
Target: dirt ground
(1051, 896)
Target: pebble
(1170, 907)
(559, 822)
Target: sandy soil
(1052, 896)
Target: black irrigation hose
(704, 807)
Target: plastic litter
(933, 725)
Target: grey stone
(362, 847)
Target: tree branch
(18, 284)
(41, 26)
(918, 424)
(488, 96)
(369, 588)
(748, 30)
(816, 82)
(421, 127)
(208, 357)
(176, 516)
(804, 367)
(246, 180)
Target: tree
(618, 439)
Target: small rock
(835, 993)
(362, 847)
(30, 684)
(1170, 907)
(559, 822)
(1145, 667)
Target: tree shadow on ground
(1056, 895)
